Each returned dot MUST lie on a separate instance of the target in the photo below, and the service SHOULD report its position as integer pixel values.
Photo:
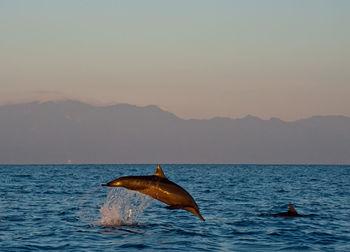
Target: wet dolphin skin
(159, 187)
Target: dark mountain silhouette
(54, 132)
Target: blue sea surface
(64, 207)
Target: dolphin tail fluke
(195, 212)
(187, 208)
(200, 217)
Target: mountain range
(62, 131)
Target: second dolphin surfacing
(159, 187)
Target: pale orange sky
(198, 59)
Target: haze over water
(63, 207)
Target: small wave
(134, 246)
(31, 247)
(297, 248)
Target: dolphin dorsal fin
(291, 209)
(159, 172)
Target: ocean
(64, 207)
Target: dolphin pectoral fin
(172, 207)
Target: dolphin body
(159, 187)
(291, 213)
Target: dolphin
(159, 187)
(291, 213)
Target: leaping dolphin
(159, 187)
(291, 213)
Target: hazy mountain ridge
(54, 132)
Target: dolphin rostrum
(160, 188)
(291, 213)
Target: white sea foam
(123, 207)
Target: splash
(123, 207)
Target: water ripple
(43, 207)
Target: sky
(197, 59)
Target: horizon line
(190, 163)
